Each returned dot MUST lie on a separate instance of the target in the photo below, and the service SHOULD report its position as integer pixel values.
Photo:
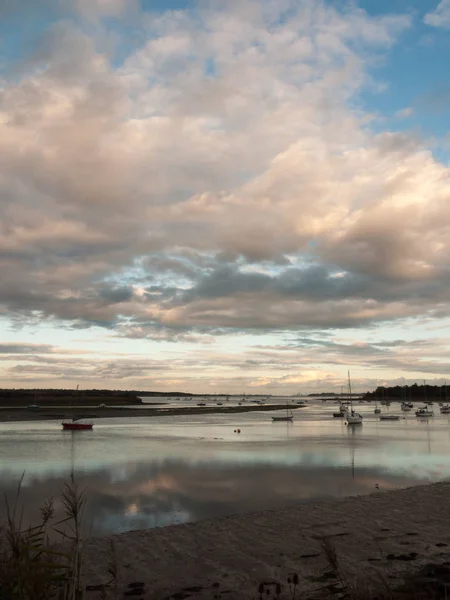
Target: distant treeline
(12, 393)
(319, 394)
(404, 392)
(57, 396)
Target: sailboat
(425, 411)
(74, 424)
(407, 405)
(445, 408)
(352, 417)
(289, 416)
(377, 409)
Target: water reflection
(141, 473)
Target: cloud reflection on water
(174, 491)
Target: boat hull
(282, 418)
(77, 426)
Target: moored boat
(389, 418)
(341, 413)
(424, 412)
(76, 424)
(353, 418)
(288, 417)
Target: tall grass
(43, 562)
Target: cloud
(26, 349)
(440, 17)
(404, 113)
(217, 178)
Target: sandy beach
(379, 539)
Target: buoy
(239, 431)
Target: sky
(224, 197)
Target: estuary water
(150, 472)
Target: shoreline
(17, 414)
(382, 537)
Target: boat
(353, 418)
(424, 412)
(341, 413)
(201, 403)
(300, 403)
(377, 408)
(389, 418)
(289, 416)
(407, 406)
(76, 424)
(445, 408)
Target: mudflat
(379, 540)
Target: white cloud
(404, 113)
(440, 17)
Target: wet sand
(379, 539)
(58, 413)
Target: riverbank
(379, 540)
(12, 414)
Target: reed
(43, 562)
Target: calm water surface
(150, 472)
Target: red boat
(74, 426)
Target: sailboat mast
(350, 390)
(75, 402)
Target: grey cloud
(116, 295)
(26, 348)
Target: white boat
(352, 417)
(445, 408)
(288, 417)
(424, 412)
(300, 403)
(377, 409)
(406, 406)
(389, 418)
